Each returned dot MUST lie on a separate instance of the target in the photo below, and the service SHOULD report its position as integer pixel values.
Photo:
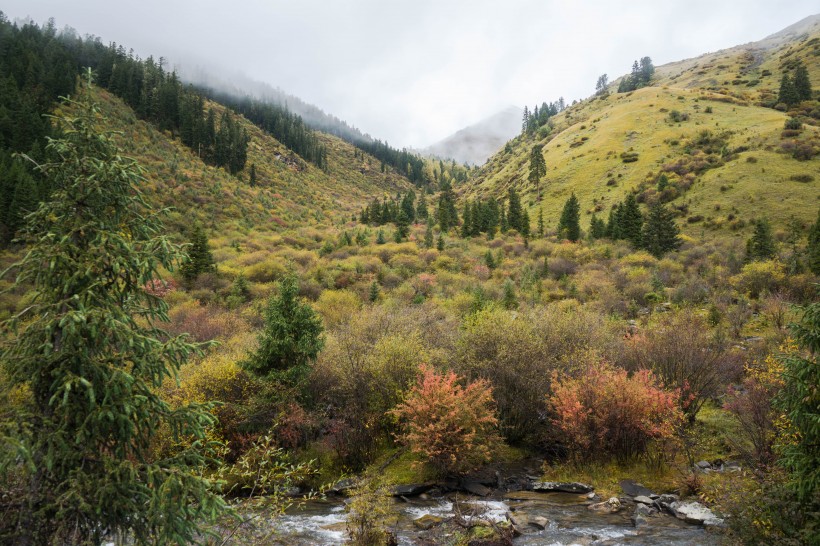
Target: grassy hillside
(741, 169)
(289, 191)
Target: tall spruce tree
(91, 358)
(569, 226)
(538, 168)
(199, 259)
(760, 245)
(801, 83)
(292, 337)
(515, 214)
(788, 94)
(630, 220)
(447, 215)
(660, 232)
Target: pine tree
(597, 228)
(380, 237)
(199, 260)
(761, 244)
(440, 242)
(252, 176)
(660, 233)
(801, 83)
(525, 225)
(515, 215)
(788, 94)
(509, 301)
(402, 226)
(428, 234)
(538, 168)
(408, 206)
(630, 220)
(421, 208)
(447, 215)
(569, 225)
(373, 295)
(504, 224)
(292, 337)
(489, 261)
(467, 220)
(813, 249)
(91, 358)
(601, 85)
(540, 222)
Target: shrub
(681, 351)
(606, 412)
(369, 513)
(454, 427)
(758, 277)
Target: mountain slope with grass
(475, 144)
(287, 191)
(711, 127)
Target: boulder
(475, 488)
(564, 487)
(634, 489)
(427, 521)
(607, 507)
(644, 510)
(643, 499)
(518, 519)
(694, 512)
(539, 522)
(410, 489)
(703, 464)
(638, 520)
(343, 486)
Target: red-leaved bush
(606, 412)
(453, 427)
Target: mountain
(712, 126)
(475, 144)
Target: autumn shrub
(204, 322)
(336, 306)
(605, 412)
(758, 277)
(453, 427)
(684, 354)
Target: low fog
(413, 73)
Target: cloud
(413, 72)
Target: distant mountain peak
(478, 142)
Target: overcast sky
(415, 71)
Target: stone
(539, 522)
(565, 487)
(643, 499)
(343, 486)
(634, 489)
(703, 464)
(638, 520)
(607, 507)
(410, 489)
(427, 521)
(518, 519)
(645, 510)
(476, 488)
(693, 512)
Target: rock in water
(565, 487)
(608, 507)
(634, 489)
(694, 512)
(427, 521)
(539, 522)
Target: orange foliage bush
(454, 427)
(606, 412)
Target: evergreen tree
(660, 232)
(601, 85)
(813, 249)
(421, 208)
(252, 176)
(597, 228)
(428, 234)
(510, 301)
(91, 359)
(630, 220)
(515, 214)
(292, 337)
(569, 225)
(467, 220)
(408, 206)
(373, 295)
(538, 168)
(199, 260)
(440, 242)
(799, 399)
(402, 226)
(380, 237)
(761, 244)
(540, 222)
(801, 83)
(447, 215)
(788, 94)
(613, 230)
(504, 224)
(489, 261)
(525, 225)
(646, 71)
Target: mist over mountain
(478, 142)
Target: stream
(570, 522)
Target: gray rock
(427, 521)
(643, 499)
(410, 489)
(638, 520)
(565, 487)
(645, 510)
(607, 507)
(693, 512)
(634, 489)
(518, 519)
(539, 522)
(703, 464)
(343, 486)
(476, 488)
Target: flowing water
(570, 522)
